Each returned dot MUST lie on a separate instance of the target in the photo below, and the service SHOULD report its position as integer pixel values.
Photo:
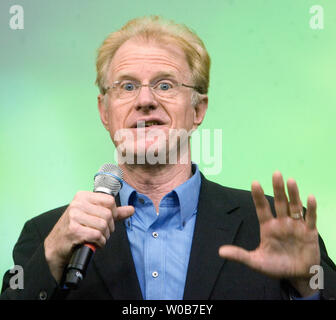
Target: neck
(155, 181)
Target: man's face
(148, 63)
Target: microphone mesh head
(106, 179)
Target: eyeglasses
(129, 89)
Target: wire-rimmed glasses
(129, 89)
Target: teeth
(150, 123)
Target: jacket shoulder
(240, 197)
(45, 222)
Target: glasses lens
(126, 89)
(166, 88)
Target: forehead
(146, 58)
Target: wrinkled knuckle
(74, 205)
(71, 206)
(95, 235)
(108, 214)
(110, 201)
(103, 241)
(103, 225)
(73, 213)
(73, 228)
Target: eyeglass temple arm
(198, 89)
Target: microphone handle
(81, 257)
(79, 262)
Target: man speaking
(170, 233)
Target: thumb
(124, 212)
(234, 253)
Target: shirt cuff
(315, 296)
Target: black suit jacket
(225, 216)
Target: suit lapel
(217, 223)
(115, 265)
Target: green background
(272, 92)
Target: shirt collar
(187, 194)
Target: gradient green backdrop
(272, 92)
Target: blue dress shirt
(160, 242)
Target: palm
(288, 247)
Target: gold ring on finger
(297, 215)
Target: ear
(103, 111)
(200, 110)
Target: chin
(152, 147)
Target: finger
(123, 212)
(94, 222)
(102, 199)
(280, 197)
(97, 198)
(262, 205)
(310, 216)
(234, 253)
(83, 234)
(90, 235)
(101, 212)
(295, 204)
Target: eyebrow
(165, 75)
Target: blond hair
(157, 28)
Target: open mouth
(152, 123)
(146, 124)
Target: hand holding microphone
(89, 219)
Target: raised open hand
(288, 242)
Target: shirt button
(155, 274)
(155, 234)
(42, 295)
(141, 200)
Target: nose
(146, 100)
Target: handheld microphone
(108, 180)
